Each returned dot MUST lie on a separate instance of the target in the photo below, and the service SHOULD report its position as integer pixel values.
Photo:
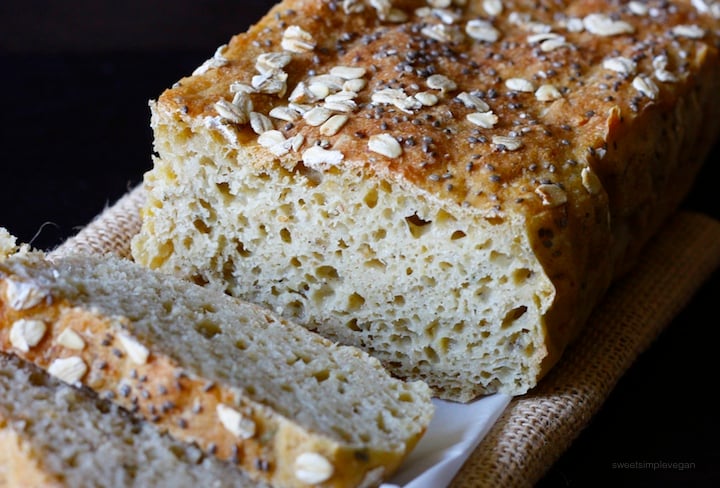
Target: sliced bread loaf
(451, 186)
(54, 435)
(289, 407)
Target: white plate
(454, 432)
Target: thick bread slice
(53, 435)
(451, 186)
(286, 405)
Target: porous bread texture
(245, 385)
(494, 166)
(55, 435)
(435, 292)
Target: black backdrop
(75, 78)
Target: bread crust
(599, 166)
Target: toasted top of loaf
(54, 435)
(485, 100)
(243, 384)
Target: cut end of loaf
(436, 292)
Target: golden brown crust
(602, 160)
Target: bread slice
(53, 435)
(450, 186)
(284, 404)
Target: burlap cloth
(537, 428)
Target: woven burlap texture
(537, 428)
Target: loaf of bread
(288, 407)
(53, 435)
(449, 185)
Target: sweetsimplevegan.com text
(653, 465)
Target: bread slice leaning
(284, 404)
(54, 435)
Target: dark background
(75, 78)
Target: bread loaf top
(495, 105)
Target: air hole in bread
(519, 276)
(458, 234)
(323, 293)
(379, 234)
(499, 258)
(199, 279)
(228, 270)
(444, 216)
(326, 273)
(417, 226)
(285, 235)
(371, 198)
(207, 329)
(201, 226)
(431, 328)
(318, 198)
(224, 189)
(342, 433)
(512, 316)
(321, 376)
(446, 344)
(375, 264)
(431, 354)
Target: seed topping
(296, 40)
(317, 157)
(312, 468)
(604, 25)
(689, 31)
(590, 181)
(509, 143)
(22, 295)
(547, 93)
(70, 339)
(620, 64)
(235, 422)
(552, 195)
(519, 84)
(398, 98)
(26, 334)
(482, 30)
(386, 145)
(136, 351)
(486, 120)
(646, 86)
(69, 370)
